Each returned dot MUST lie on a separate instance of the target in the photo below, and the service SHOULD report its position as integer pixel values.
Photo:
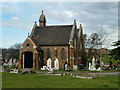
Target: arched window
(63, 54)
(48, 53)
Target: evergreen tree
(115, 53)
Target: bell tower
(42, 20)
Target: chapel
(64, 42)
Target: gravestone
(92, 67)
(6, 60)
(75, 67)
(10, 62)
(89, 66)
(51, 71)
(44, 68)
(14, 71)
(49, 64)
(56, 64)
(66, 66)
(93, 62)
(14, 62)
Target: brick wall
(53, 54)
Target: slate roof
(52, 35)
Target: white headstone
(49, 63)
(66, 67)
(10, 62)
(98, 69)
(6, 60)
(89, 66)
(56, 64)
(75, 67)
(93, 61)
(14, 61)
(16, 64)
(92, 67)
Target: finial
(28, 34)
(35, 24)
(42, 11)
(80, 25)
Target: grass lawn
(43, 81)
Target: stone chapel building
(64, 42)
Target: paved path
(109, 73)
(104, 73)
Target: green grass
(44, 81)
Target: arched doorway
(28, 60)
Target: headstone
(75, 67)
(14, 61)
(25, 70)
(81, 66)
(49, 64)
(66, 67)
(51, 71)
(44, 68)
(93, 61)
(6, 60)
(16, 64)
(14, 71)
(56, 64)
(98, 69)
(92, 67)
(89, 66)
(10, 62)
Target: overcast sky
(18, 18)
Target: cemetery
(61, 56)
(36, 80)
(61, 78)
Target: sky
(18, 18)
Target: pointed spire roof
(33, 29)
(42, 17)
(80, 32)
(73, 31)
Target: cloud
(91, 14)
(69, 14)
(16, 23)
(15, 18)
(64, 16)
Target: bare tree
(12, 52)
(96, 42)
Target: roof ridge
(55, 25)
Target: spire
(42, 20)
(33, 29)
(28, 34)
(73, 31)
(75, 22)
(35, 25)
(81, 32)
(80, 25)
